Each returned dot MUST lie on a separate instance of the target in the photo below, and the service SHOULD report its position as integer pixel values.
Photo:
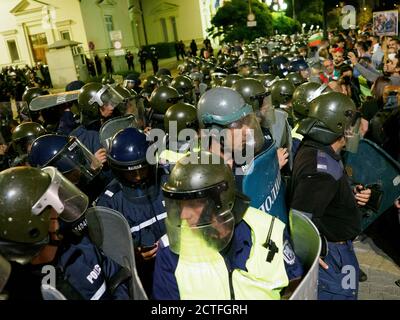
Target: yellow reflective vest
(202, 273)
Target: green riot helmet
(282, 92)
(165, 79)
(230, 79)
(183, 84)
(331, 115)
(22, 234)
(27, 197)
(217, 76)
(296, 78)
(203, 205)
(185, 116)
(151, 83)
(27, 97)
(252, 91)
(24, 135)
(96, 101)
(162, 98)
(304, 94)
(266, 80)
(224, 108)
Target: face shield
(113, 126)
(267, 113)
(245, 133)
(107, 96)
(195, 222)
(76, 162)
(351, 131)
(65, 198)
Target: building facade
(28, 27)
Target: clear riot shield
(110, 232)
(372, 167)
(50, 293)
(262, 182)
(5, 271)
(307, 245)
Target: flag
(315, 40)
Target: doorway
(39, 47)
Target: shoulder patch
(288, 253)
(109, 193)
(326, 164)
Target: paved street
(379, 257)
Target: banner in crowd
(386, 23)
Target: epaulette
(327, 164)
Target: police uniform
(318, 171)
(246, 269)
(84, 273)
(145, 213)
(89, 138)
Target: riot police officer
(161, 99)
(236, 135)
(97, 103)
(22, 139)
(302, 97)
(27, 97)
(35, 226)
(320, 188)
(72, 159)
(184, 85)
(154, 56)
(178, 117)
(135, 193)
(210, 225)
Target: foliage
(309, 12)
(230, 21)
(364, 17)
(285, 24)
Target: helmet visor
(196, 225)
(111, 97)
(267, 113)
(107, 96)
(246, 133)
(112, 126)
(75, 160)
(351, 131)
(63, 196)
